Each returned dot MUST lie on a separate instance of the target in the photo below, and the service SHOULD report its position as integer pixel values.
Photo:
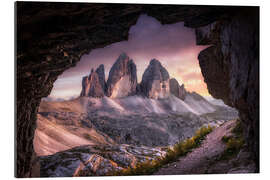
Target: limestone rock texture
(95, 160)
(176, 89)
(155, 81)
(93, 85)
(230, 67)
(122, 80)
(52, 37)
(101, 75)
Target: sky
(173, 45)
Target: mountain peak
(122, 80)
(123, 55)
(94, 84)
(155, 80)
(154, 61)
(178, 91)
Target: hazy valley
(116, 123)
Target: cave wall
(230, 67)
(52, 37)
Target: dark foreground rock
(230, 67)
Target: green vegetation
(180, 149)
(87, 136)
(225, 138)
(234, 143)
(238, 129)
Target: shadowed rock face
(122, 80)
(230, 68)
(91, 85)
(155, 81)
(51, 37)
(101, 75)
(178, 91)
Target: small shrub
(238, 129)
(233, 143)
(225, 139)
(233, 146)
(87, 136)
(179, 149)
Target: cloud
(174, 45)
(147, 39)
(193, 75)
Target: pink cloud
(174, 45)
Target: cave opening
(208, 32)
(106, 93)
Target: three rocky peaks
(122, 81)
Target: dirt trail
(198, 161)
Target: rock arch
(51, 37)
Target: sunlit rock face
(155, 81)
(91, 85)
(122, 88)
(122, 80)
(177, 90)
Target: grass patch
(225, 138)
(234, 143)
(233, 146)
(238, 129)
(180, 149)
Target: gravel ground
(198, 161)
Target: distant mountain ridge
(122, 81)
